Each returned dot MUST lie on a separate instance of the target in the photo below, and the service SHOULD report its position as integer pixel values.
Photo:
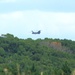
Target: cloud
(52, 24)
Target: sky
(55, 18)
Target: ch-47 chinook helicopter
(36, 32)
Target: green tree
(66, 69)
(2, 52)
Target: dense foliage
(32, 57)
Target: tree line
(34, 57)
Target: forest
(36, 57)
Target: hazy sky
(55, 18)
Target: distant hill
(36, 56)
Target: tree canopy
(35, 56)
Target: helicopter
(36, 32)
